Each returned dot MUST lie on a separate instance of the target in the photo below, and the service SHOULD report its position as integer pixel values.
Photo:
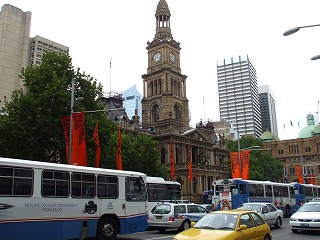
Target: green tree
(32, 128)
(262, 165)
(139, 153)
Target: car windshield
(250, 206)
(161, 209)
(310, 208)
(218, 221)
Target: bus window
(268, 190)
(309, 192)
(253, 191)
(55, 183)
(83, 185)
(260, 191)
(108, 186)
(135, 189)
(243, 189)
(174, 192)
(16, 181)
(157, 192)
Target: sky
(97, 31)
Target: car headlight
(293, 219)
(316, 220)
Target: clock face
(157, 57)
(172, 57)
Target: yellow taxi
(228, 224)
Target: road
(283, 233)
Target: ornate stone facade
(165, 116)
(295, 152)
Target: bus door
(136, 205)
(239, 193)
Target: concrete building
(238, 95)
(14, 49)
(268, 110)
(40, 45)
(18, 50)
(132, 102)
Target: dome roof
(311, 130)
(268, 136)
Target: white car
(175, 215)
(271, 214)
(307, 217)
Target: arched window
(163, 156)
(177, 112)
(156, 113)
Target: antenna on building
(110, 75)
(317, 115)
(204, 112)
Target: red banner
(189, 164)
(97, 145)
(78, 150)
(299, 174)
(235, 166)
(171, 159)
(119, 155)
(245, 160)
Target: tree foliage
(262, 165)
(32, 128)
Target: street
(283, 233)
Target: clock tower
(164, 103)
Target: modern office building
(14, 48)
(132, 102)
(18, 50)
(40, 45)
(268, 110)
(238, 95)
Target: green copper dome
(311, 130)
(268, 136)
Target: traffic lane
(283, 233)
(150, 235)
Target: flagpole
(70, 129)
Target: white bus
(41, 200)
(161, 190)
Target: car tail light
(171, 218)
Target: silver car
(175, 215)
(307, 217)
(271, 214)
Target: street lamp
(296, 29)
(316, 57)
(71, 113)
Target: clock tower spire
(164, 103)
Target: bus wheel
(107, 229)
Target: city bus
(230, 193)
(305, 192)
(40, 200)
(158, 190)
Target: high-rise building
(238, 95)
(132, 102)
(268, 110)
(40, 45)
(14, 48)
(18, 50)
